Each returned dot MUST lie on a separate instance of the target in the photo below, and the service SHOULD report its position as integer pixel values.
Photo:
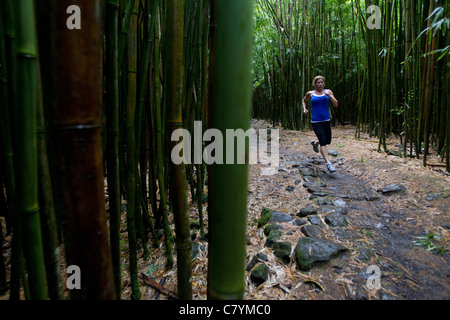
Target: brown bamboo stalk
(77, 118)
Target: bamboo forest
(93, 92)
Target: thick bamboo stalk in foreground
(227, 183)
(77, 123)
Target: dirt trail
(379, 233)
(381, 230)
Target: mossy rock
(273, 237)
(266, 215)
(282, 250)
(310, 252)
(256, 259)
(260, 274)
(271, 227)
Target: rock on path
(312, 251)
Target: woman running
(320, 118)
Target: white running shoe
(330, 167)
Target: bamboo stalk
(131, 163)
(25, 147)
(429, 91)
(159, 137)
(125, 31)
(227, 183)
(46, 202)
(177, 188)
(203, 107)
(77, 118)
(140, 121)
(17, 263)
(112, 145)
(150, 112)
(6, 101)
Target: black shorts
(323, 132)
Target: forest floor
(404, 235)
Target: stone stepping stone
(312, 187)
(313, 251)
(340, 203)
(317, 194)
(309, 179)
(282, 250)
(299, 222)
(315, 220)
(333, 153)
(271, 227)
(304, 171)
(392, 189)
(312, 231)
(335, 219)
(260, 274)
(304, 212)
(273, 237)
(290, 188)
(333, 209)
(294, 164)
(256, 259)
(324, 201)
(280, 217)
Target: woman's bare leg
(324, 153)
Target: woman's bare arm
(333, 100)
(305, 99)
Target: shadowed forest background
(86, 117)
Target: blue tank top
(319, 106)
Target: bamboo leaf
(437, 13)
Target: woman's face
(319, 84)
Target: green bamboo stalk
(446, 99)
(160, 172)
(7, 101)
(174, 95)
(153, 89)
(131, 163)
(17, 262)
(423, 95)
(407, 78)
(191, 80)
(140, 121)
(112, 141)
(44, 20)
(125, 31)
(227, 183)
(48, 216)
(430, 82)
(25, 147)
